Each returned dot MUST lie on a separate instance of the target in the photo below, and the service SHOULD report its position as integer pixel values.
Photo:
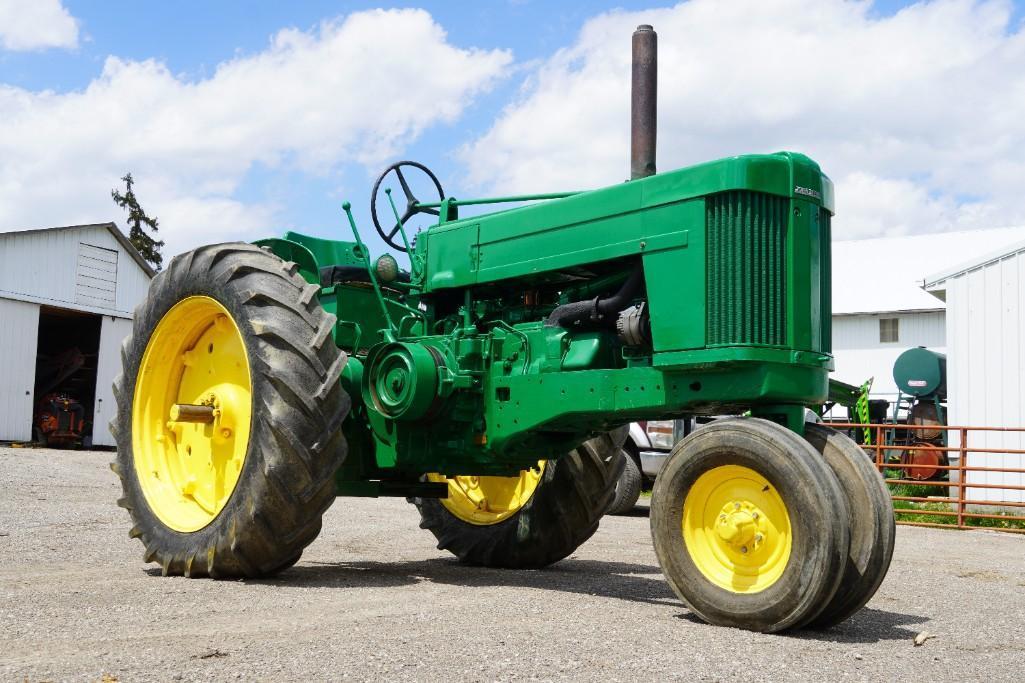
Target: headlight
(660, 433)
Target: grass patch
(917, 491)
(915, 511)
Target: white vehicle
(645, 451)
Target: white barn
(879, 306)
(62, 288)
(985, 327)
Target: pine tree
(138, 223)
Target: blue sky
(193, 37)
(479, 147)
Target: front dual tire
(758, 528)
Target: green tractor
(490, 382)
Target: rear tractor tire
(229, 415)
(529, 521)
(750, 526)
(628, 487)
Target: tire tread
(564, 512)
(295, 444)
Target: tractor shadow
(620, 580)
(868, 625)
(638, 583)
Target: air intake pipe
(643, 122)
(643, 102)
(598, 310)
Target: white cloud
(36, 25)
(311, 100)
(919, 116)
(874, 206)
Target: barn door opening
(65, 385)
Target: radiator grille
(825, 280)
(746, 268)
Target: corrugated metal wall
(859, 354)
(924, 328)
(112, 333)
(986, 383)
(19, 333)
(96, 276)
(44, 267)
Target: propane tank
(921, 373)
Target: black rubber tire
(872, 524)
(295, 442)
(818, 517)
(574, 493)
(628, 487)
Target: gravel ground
(373, 599)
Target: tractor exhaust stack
(643, 102)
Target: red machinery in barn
(60, 418)
(60, 421)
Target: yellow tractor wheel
(229, 414)
(530, 520)
(484, 501)
(750, 525)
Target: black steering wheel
(412, 203)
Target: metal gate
(978, 482)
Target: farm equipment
(860, 409)
(918, 452)
(59, 421)
(491, 383)
(921, 378)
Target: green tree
(138, 223)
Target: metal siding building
(84, 272)
(986, 369)
(881, 279)
(859, 354)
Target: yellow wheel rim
(489, 500)
(737, 529)
(195, 362)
